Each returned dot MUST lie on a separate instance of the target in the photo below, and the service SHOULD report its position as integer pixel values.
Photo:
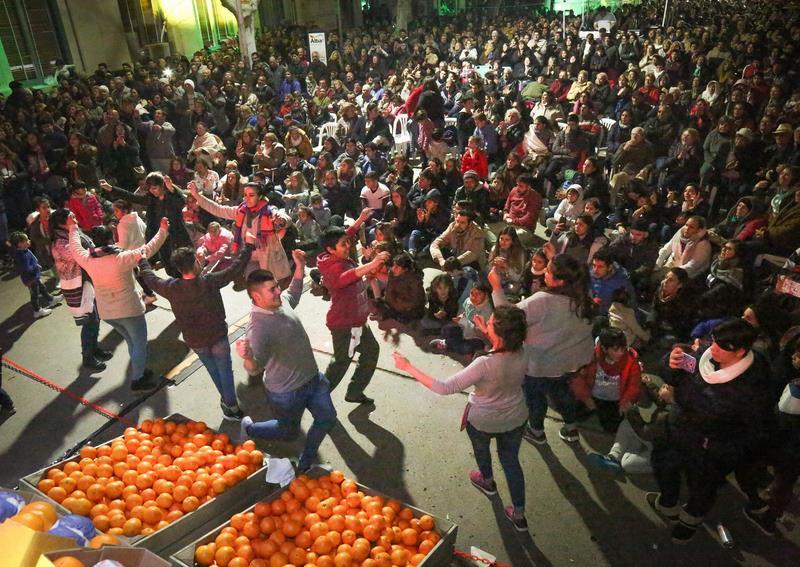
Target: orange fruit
(399, 556)
(132, 527)
(190, 503)
(103, 539)
(68, 561)
(322, 545)
(153, 515)
(224, 554)
(33, 521)
(45, 510)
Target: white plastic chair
(327, 129)
(402, 139)
(602, 150)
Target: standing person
(78, 292)
(347, 316)
(718, 422)
(118, 304)
(496, 407)
(30, 272)
(256, 217)
(131, 234)
(158, 141)
(200, 314)
(163, 200)
(277, 344)
(559, 342)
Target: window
(30, 38)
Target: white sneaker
(246, 422)
(55, 301)
(43, 312)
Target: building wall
(94, 33)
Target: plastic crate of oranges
(151, 476)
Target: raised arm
(124, 194)
(220, 211)
(458, 382)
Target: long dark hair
(511, 326)
(575, 276)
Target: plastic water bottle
(725, 536)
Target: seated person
(609, 384)
(214, 251)
(465, 337)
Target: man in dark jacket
(718, 421)
(200, 314)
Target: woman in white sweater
(131, 234)
(118, 303)
(496, 406)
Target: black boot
(103, 355)
(91, 363)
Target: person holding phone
(721, 404)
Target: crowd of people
(661, 164)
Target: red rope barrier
(22, 371)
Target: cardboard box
(128, 556)
(440, 556)
(22, 546)
(165, 538)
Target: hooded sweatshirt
(567, 211)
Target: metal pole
(339, 21)
(664, 19)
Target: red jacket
(476, 161)
(629, 377)
(88, 211)
(523, 209)
(349, 301)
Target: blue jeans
(217, 360)
(508, 444)
(537, 390)
(134, 331)
(418, 240)
(455, 341)
(89, 332)
(288, 408)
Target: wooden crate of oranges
(325, 519)
(156, 482)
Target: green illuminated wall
(5, 70)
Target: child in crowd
(464, 278)
(609, 384)
(214, 251)
(644, 423)
(474, 159)
(425, 132)
(465, 337)
(442, 304)
(322, 214)
(438, 147)
(622, 316)
(404, 296)
(308, 231)
(533, 280)
(568, 210)
(30, 272)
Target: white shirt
(376, 199)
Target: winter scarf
(244, 216)
(101, 251)
(713, 376)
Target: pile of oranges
(151, 476)
(326, 522)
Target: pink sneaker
(488, 487)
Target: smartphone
(688, 363)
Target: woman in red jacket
(610, 383)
